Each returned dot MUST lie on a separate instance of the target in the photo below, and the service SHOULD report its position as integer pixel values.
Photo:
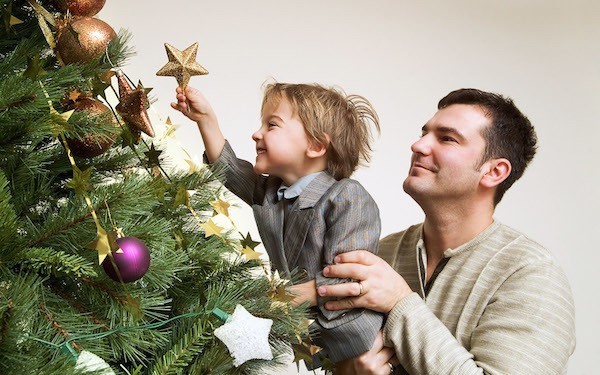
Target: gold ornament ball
(79, 7)
(93, 34)
(92, 145)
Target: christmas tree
(111, 262)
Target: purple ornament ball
(132, 263)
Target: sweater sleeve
(526, 328)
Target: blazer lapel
(300, 216)
(270, 217)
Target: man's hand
(379, 287)
(376, 361)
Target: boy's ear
(318, 149)
(496, 171)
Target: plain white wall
(404, 56)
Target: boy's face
(281, 142)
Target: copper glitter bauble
(79, 7)
(86, 43)
(92, 145)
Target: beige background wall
(404, 56)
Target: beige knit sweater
(501, 305)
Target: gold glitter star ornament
(182, 64)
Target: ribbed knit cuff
(397, 314)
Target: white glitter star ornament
(246, 336)
(89, 362)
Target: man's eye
(446, 138)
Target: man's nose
(422, 145)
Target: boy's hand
(305, 292)
(194, 105)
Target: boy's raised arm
(197, 108)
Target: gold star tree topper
(182, 65)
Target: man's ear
(495, 171)
(318, 149)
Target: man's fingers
(394, 360)
(342, 304)
(346, 271)
(378, 342)
(339, 290)
(357, 256)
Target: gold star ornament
(220, 207)
(211, 228)
(105, 243)
(182, 65)
(247, 241)
(280, 294)
(81, 180)
(250, 253)
(58, 122)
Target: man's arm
(528, 327)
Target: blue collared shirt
(289, 192)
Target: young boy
(310, 141)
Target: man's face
(445, 161)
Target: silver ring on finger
(391, 367)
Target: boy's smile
(281, 143)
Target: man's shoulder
(399, 243)
(508, 239)
(414, 231)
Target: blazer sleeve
(240, 177)
(352, 223)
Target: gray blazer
(328, 218)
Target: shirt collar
(289, 192)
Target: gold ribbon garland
(44, 18)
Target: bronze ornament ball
(79, 7)
(87, 43)
(92, 145)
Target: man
(463, 293)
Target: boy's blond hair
(327, 112)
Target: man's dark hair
(509, 136)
